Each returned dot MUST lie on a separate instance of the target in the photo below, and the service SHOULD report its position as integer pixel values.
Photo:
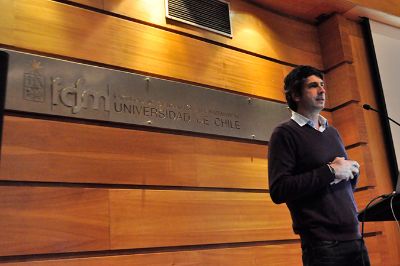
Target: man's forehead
(313, 78)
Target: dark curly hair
(294, 83)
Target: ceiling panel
(307, 10)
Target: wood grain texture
(335, 42)
(309, 10)
(342, 85)
(93, 3)
(387, 6)
(43, 150)
(362, 198)
(255, 30)
(148, 218)
(362, 155)
(46, 220)
(279, 255)
(55, 28)
(55, 219)
(349, 120)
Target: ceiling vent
(211, 15)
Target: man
(310, 172)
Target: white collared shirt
(302, 121)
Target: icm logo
(34, 83)
(78, 97)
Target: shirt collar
(302, 121)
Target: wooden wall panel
(255, 30)
(68, 31)
(384, 185)
(46, 220)
(145, 218)
(342, 86)
(335, 42)
(374, 245)
(52, 219)
(362, 155)
(6, 22)
(363, 197)
(93, 3)
(43, 150)
(350, 123)
(277, 255)
(328, 115)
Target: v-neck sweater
(299, 176)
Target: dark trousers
(334, 253)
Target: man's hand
(345, 169)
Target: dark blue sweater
(300, 177)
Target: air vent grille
(212, 15)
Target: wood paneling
(55, 28)
(374, 245)
(387, 6)
(349, 120)
(390, 251)
(309, 10)
(46, 220)
(342, 85)
(93, 3)
(362, 155)
(327, 115)
(72, 218)
(146, 218)
(335, 42)
(6, 21)
(363, 197)
(254, 29)
(278, 255)
(43, 150)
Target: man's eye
(312, 85)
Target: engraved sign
(51, 86)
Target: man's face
(313, 95)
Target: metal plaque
(46, 85)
